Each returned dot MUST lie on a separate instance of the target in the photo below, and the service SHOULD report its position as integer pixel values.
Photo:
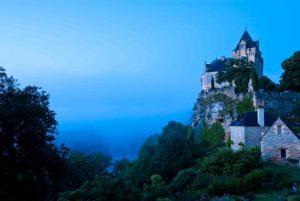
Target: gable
(280, 131)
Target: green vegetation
(267, 85)
(290, 77)
(240, 71)
(171, 166)
(245, 105)
(212, 136)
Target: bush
(212, 136)
(226, 162)
(293, 198)
(221, 185)
(183, 179)
(254, 179)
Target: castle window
(249, 49)
(278, 128)
(283, 153)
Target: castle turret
(247, 48)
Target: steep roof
(249, 42)
(295, 128)
(216, 65)
(250, 119)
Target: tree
(167, 153)
(290, 79)
(212, 136)
(254, 79)
(84, 167)
(245, 105)
(30, 164)
(240, 71)
(103, 188)
(267, 85)
(212, 83)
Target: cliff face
(219, 105)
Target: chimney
(261, 116)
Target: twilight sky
(117, 71)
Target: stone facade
(246, 48)
(249, 137)
(248, 130)
(280, 144)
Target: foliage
(245, 105)
(254, 179)
(221, 185)
(157, 189)
(267, 85)
(31, 166)
(293, 198)
(84, 167)
(190, 133)
(254, 79)
(172, 152)
(227, 162)
(182, 180)
(145, 162)
(212, 136)
(103, 188)
(290, 79)
(240, 71)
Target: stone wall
(277, 103)
(273, 142)
(237, 137)
(210, 110)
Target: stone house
(247, 131)
(281, 143)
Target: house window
(279, 130)
(283, 153)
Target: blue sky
(117, 71)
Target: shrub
(293, 198)
(183, 179)
(254, 179)
(221, 185)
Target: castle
(279, 140)
(246, 48)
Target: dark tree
(240, 71)
(167, 153)
(30, 165)
(212, 83)
(290, 79)
(254, 79)
(266, 84)
(84, 167)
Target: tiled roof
(250, 119)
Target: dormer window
(278, 129)
(242, 46)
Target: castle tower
(247, 48)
